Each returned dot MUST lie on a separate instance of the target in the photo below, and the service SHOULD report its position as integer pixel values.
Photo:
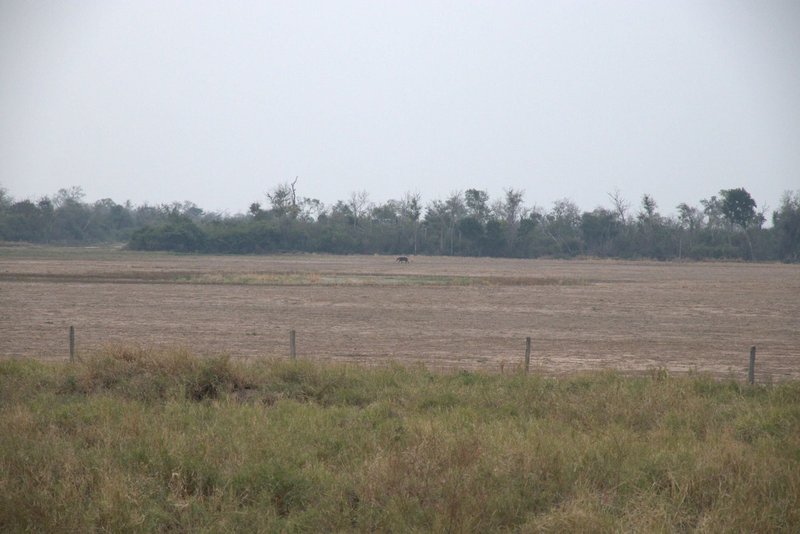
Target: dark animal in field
(402, 259)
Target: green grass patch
(136, 440)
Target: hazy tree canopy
(468, 224)
(599, 228)
(359, 205)
(411, 206)
(690, 218)
(477, 204)
(712, 209)
(283, 200)
(648, 213)
(71, 195)
(738, 207)
(786, 221)
(512, 207)
(621, 206)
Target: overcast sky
(217, 102)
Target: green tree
(495, 238)
(599, 228)
(47, 215)
(255, 211)
(652, 236)
(455, 211)
(24, 222)
(690, 220)
(120, 219)
(178, 234)
(786, 222)
(739, 209)
(284, 200)
(386, 213)
(529, 235)
(73, 195)
(712, 209)
(477, 203)
(72, 217)
(471, 230)
(512, 211)
(410, 211)
(437, 222)
(648, 213)
(562, 226)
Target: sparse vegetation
(132, 440)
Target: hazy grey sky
(216, 102)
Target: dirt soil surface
(446, 313)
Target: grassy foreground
(139, 440)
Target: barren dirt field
(446, 313)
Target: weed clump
(152, 375)
(212, 377)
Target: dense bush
(179, 234)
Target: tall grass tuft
(140, 440)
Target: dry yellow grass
(135, 440)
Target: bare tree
(621, 206)
(359, 204)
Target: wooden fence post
(71, 343)
(527, 354)
(751, 372)
(292, 346)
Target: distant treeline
(727, 226)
